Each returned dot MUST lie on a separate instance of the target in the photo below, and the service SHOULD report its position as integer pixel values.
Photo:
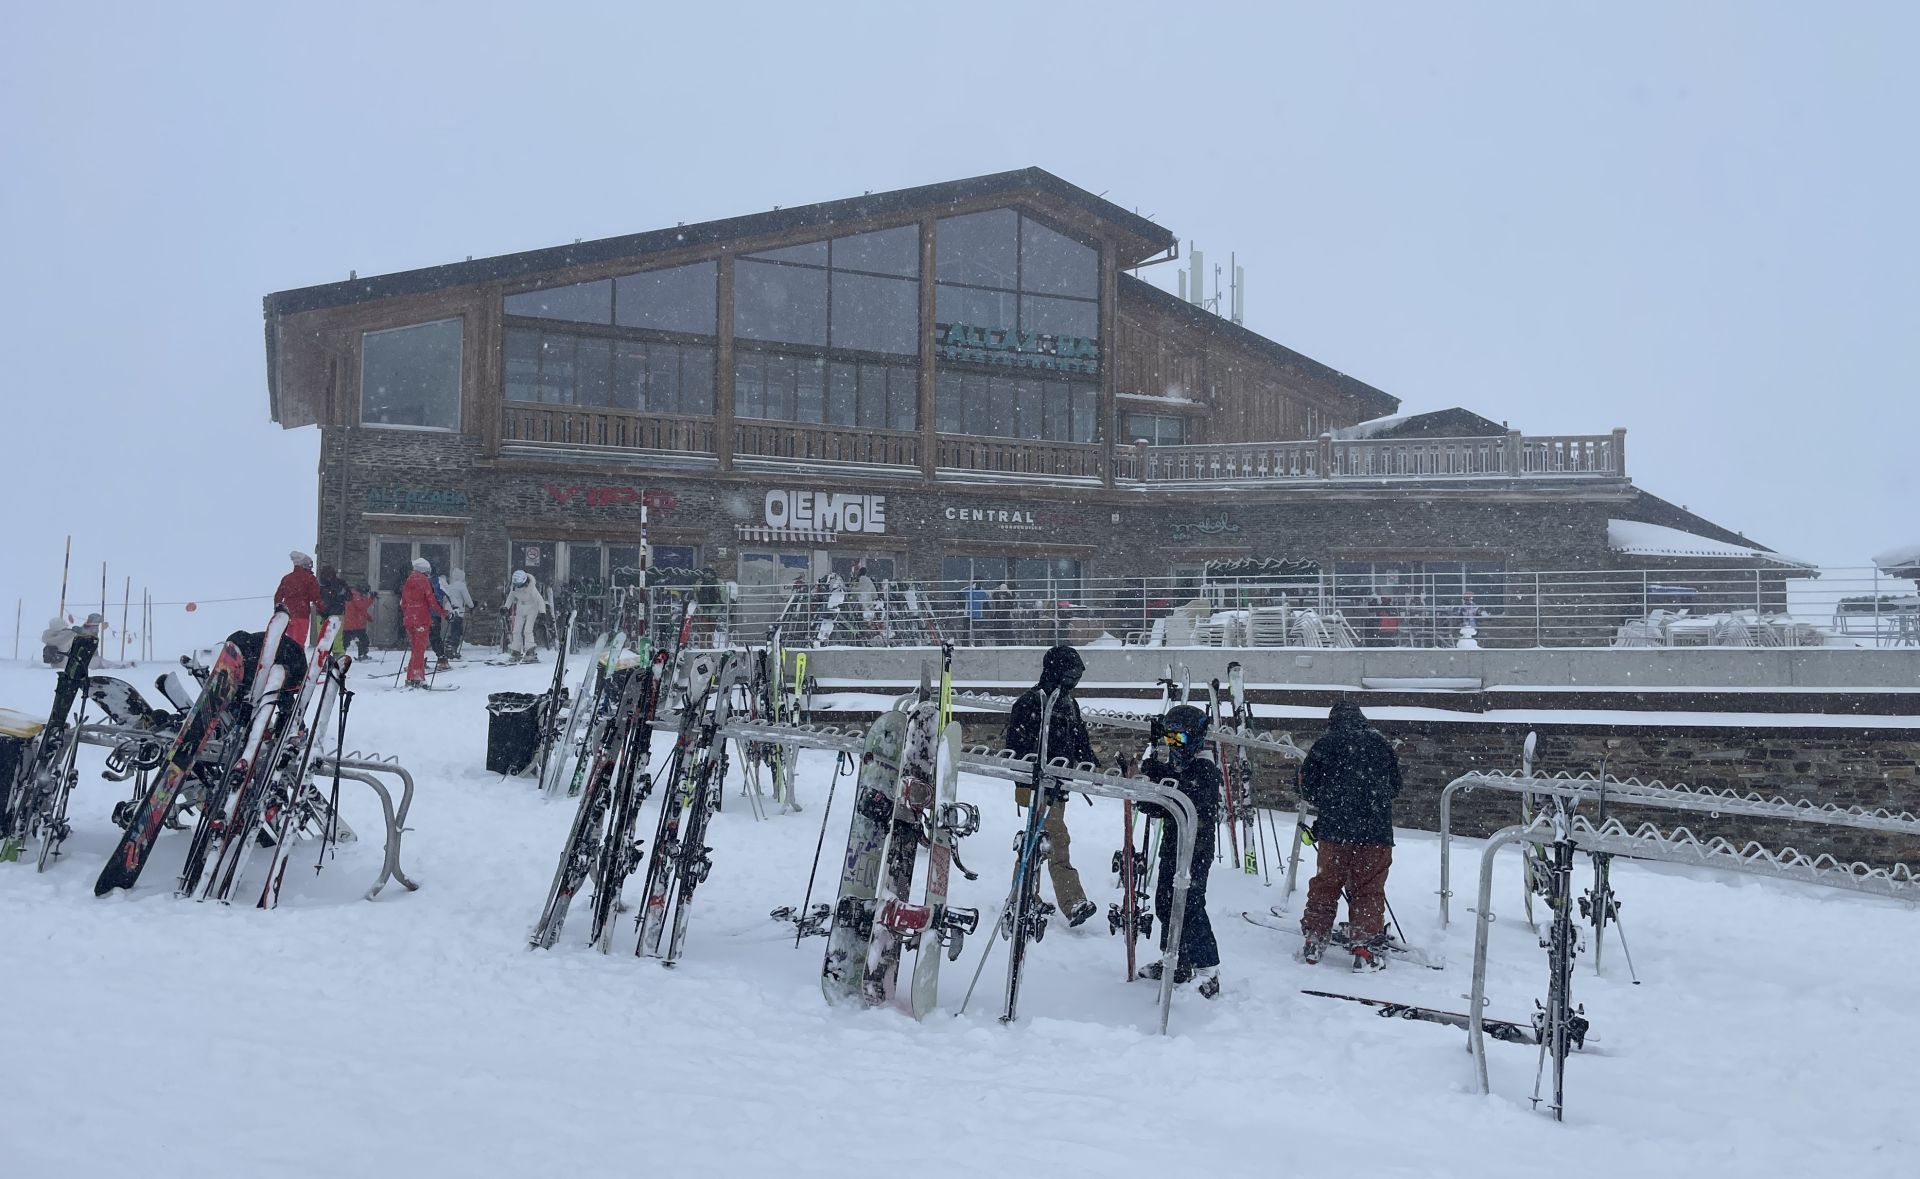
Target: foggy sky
(1694, 221)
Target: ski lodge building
(962, 382)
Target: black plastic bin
(513, 731)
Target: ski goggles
(1174, 738)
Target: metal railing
(1513, 455)
(1408, 605)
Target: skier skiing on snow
(1179, 741)
(525, 604)
(418, 609)
(1351, 777)
(1060, 670)
(299, 593)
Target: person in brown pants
(1351, 778)
(1066, 732)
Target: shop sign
(415, 500)
(603, 497)
(998, 517)
(1211, 526)
(1015, 349)
(826, 511)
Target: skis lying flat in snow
(1396, 949)
(1500, 1029)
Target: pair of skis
(35, 803)
(681, 860)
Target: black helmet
(1061, 668)
(1184, 728)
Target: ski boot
(1370, 954)
(1313, 948)
(1081, 913)
(1150, 971)
(1209, 987)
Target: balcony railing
(1018, 457)
(604, 429)
(1325, 458)
(830, 444)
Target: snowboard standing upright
(843, 970)
(946, 927)
(912, 797)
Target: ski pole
(1397, 931)
(841, 767)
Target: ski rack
(363, 768)
(1019, 771)
(1679, 846)
(358, 766)
(1678, 797)
(1281, 746)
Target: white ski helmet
(422, 565)
(301, 559)
(520, 577)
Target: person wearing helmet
(524, 604)
(1351, 777)
(459, 600)
(299, 595)
(1060, 670)
(1180, 754)
(418, 608)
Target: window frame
(459, 382)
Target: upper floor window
(1160, 429)
(1014, 292)
(859, 293)
(410, 376)
(681, 299)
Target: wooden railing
(608, 429)
(834, 444)
(1015, 456)
(1509, 456)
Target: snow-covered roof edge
(1640, 539)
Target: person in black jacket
(1060, 670)
(1351, 777)
(1182, 735)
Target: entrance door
(392, 560)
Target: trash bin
(513, 731)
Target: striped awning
(765, 535)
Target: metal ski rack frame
(1019, 771)
(1678, 846)
(1654, 794)
(363, 768)
(360, 767)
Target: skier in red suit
(418, 608)
(299, 592)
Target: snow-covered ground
(417, 1035)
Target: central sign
(826, 511)
(1016, 349)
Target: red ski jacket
(359, 610)
(299, 592)
(418, 606)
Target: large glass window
(410, 376)
(1008, 406)
(1157, 428)
(858, 293)
(1014, 293)
(812, 390)
(650, 348)
(560, 368)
